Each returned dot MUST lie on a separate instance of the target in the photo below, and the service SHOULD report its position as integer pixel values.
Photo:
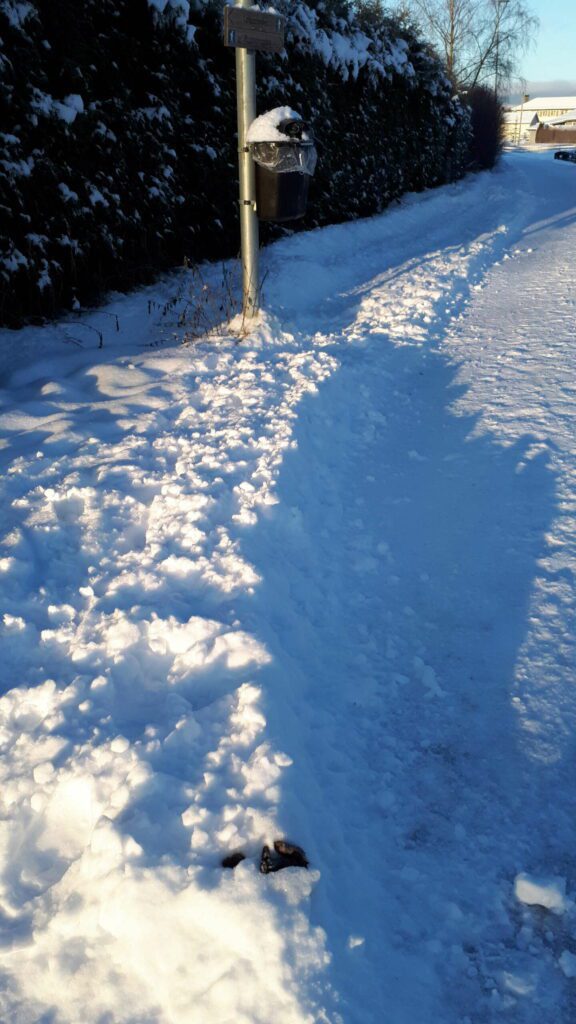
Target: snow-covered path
(318, 584)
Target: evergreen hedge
(118, 149)
(487, 128)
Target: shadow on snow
(398, 568)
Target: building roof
(548, 103)
(566, 118)
(523, 117)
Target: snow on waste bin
(283, 150)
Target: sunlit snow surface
(315, 584)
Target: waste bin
(285, 156)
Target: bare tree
(480, 40)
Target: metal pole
(525, 98)
(246, 100)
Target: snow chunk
(119, 745)
(43, 773)
(18, 168)
(35, 239)
(95, 196)
(67, 109)
(180, 8)
(541, 892)
(265, 127)
(70, 107)
(67, 193)
(160, 113)
(427, 675)
(15, 260)
(568, 964)
(17, 13)
(44, 280)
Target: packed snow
(265, 127)
(311, 581)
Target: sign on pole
(248, 30)
(253, 30)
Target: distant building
(522, 122)
(566, 121)
(517, 122)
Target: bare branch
(480, 40)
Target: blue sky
(554, 55)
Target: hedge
(118, 148)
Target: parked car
(566, 154)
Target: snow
(568, 964)
(44, 280)
(181, 12)
(160, 113)
(18, 168)
(67, 192)
(348, 52)
(312, 582)
(66, 110)
(35, 239)
(14, 260)
(74, 102)
(265, 127)
(95, 196)
(548, 893)
(17, 12)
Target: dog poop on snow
(232, 860)
(284, 855)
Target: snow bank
(262, 588)
(134, 734)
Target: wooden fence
(556, 136)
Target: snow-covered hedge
(117, 144)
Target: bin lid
(279, 125)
